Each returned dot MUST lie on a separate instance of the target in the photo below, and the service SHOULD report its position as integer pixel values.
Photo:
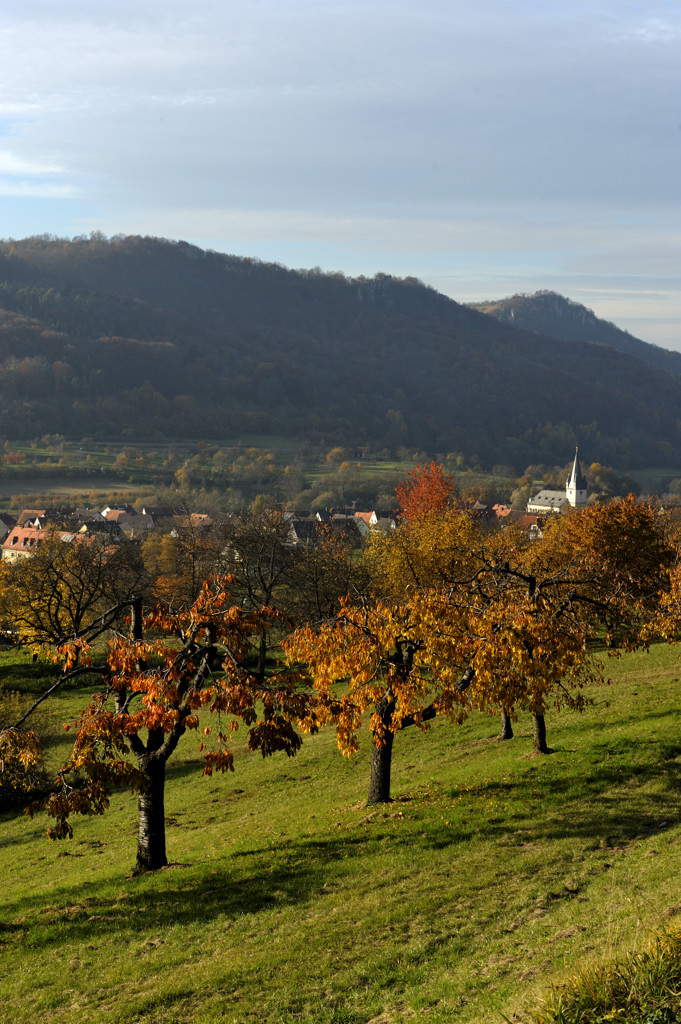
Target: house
(345, 526)
(527, 522)
(192, 521)
(136, 526)
(31, 515)
(7, 523)
(548, 501)
(303, 531)
(574, 495)
(112, 513)
(368, 518)
(481, 511)
(162, 511)
(380, 520)
(531, 525)
(23, 541)
(85, 520)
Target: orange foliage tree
(393, 663)
(429, 551)
(388, 656)
(539, 607)
(626, 549)
(67, 589)
(153, 686)
(427, 491)
(524, 629)
(20, 762)
(323, 572)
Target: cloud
(28, 178)
(651, 30)
(34, 190)
(11, 164)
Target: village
(22, 537)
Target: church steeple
(575, 489)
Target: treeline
(147, 338)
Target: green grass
(653, 478)
(490, 876)
(641, 987)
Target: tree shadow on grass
(179, 895)
(588, 806)
(270, 874)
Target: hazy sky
(485, 146)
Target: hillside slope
(288, 901)
(145, 337)
(551, 314)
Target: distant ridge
(144, 338)
(553, 315)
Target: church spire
(575, 489)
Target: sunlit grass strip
(640, 988)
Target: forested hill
(552, 314)
(139, 337)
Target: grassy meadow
(491, 875)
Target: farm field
(69, 489)
(202, 473)
(490, 875)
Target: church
(574, 495)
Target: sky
(487, 147)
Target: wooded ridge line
(150, 338)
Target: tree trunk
(381, 760)
(151, 842)
(381, 756)
(540, 734)
(506, 727)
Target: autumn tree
(625, 549)
(20, 763)
(179, 559)
(65, 591)
(68, 590)
(538, 608)
(153, 686)
(428, 490)
(523, 634)
(321, 574)
(255, 553)
(391, 661)
(666, 622)
(425, 551)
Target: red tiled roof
(114, 514)
(24, 538)
(30, 513)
